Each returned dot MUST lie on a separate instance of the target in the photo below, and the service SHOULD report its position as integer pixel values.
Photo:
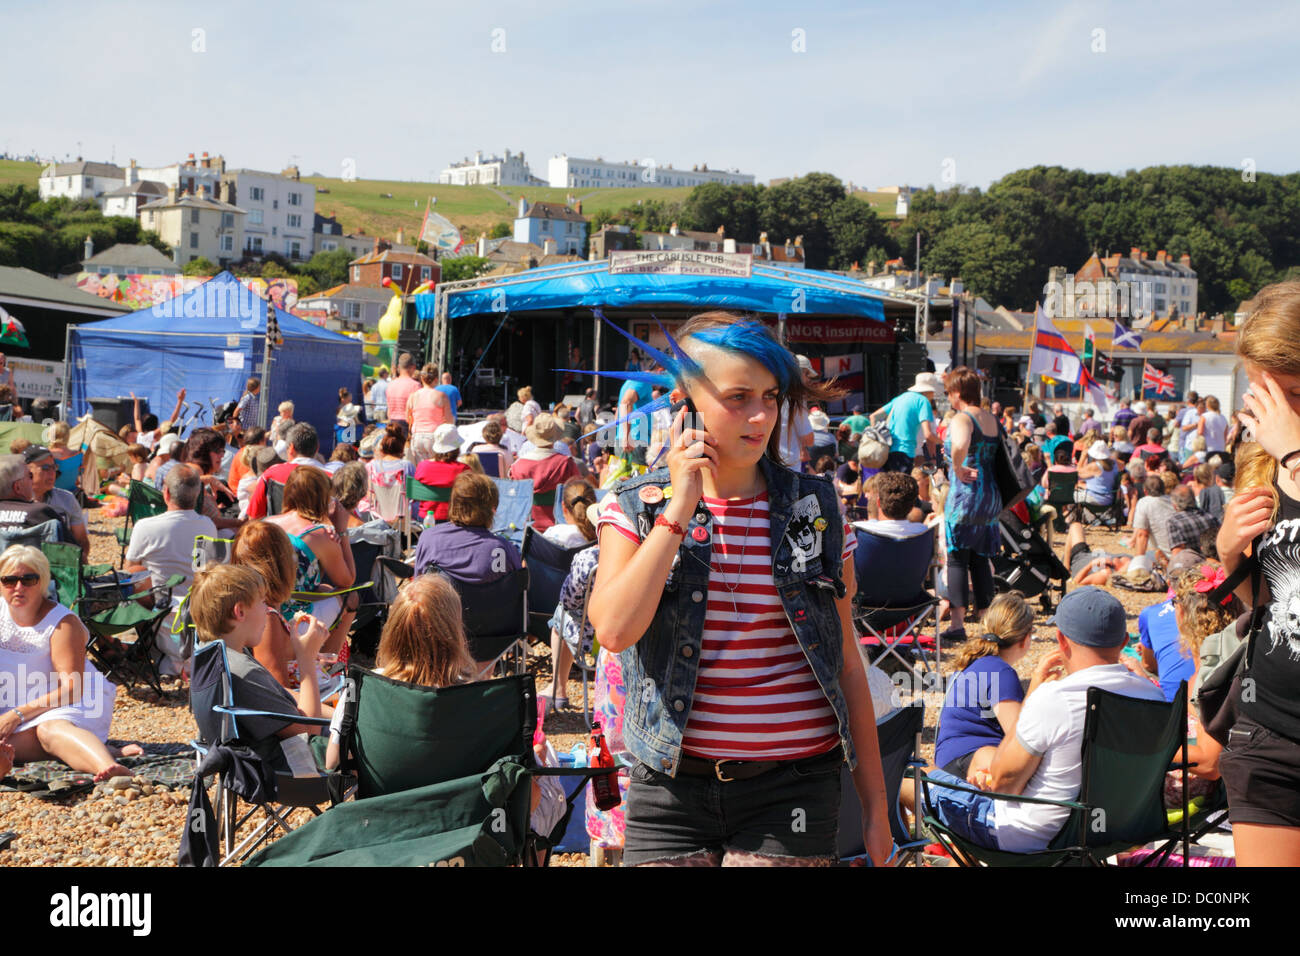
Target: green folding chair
(442, 778)
(1128, 746)
(143, 500)
(108, 605)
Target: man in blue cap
(1044, 757)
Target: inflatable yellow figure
(390, 323)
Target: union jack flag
(1162, 383)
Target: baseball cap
(1227, 471)
(1091, 617)
(167, 444)
(35, 453)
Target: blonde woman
(1261, 762)
(983, 699)
(64, 706)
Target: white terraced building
(567, 172)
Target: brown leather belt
(729, 770)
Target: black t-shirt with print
(1275, 659)
(26, 514)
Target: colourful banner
(140, 291)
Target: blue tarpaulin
(210, 341)
(590, 284)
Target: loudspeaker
(412, 340)
(911, 361)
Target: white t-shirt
(148, 439)
(165, 543)
(566, 536)
(1051, 726)
(1216, 431)
(1189, 416)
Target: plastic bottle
(579, 755)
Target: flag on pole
(1123, 338)
(1162, 383)
(1093, 388)
(1089, 345)
(11, 330)
(440, 233)
(1105, 369)
(1052, 356)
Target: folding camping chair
(892, 603)
(107, 603)
(142, 501)
(418, 491)
(1128, 746)
(442, 778)
(217, 715)
(548, 565)
(1060, 495)
(370, 542)
(274, 496)
(69, 471)
(514, 508)
(491, 462)
(496, 618)
(559, 504)
(900, 749)
(389, 503)
(1109, 516)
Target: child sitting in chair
(228, 603)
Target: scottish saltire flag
(1154, 380)
(1123, 338)
(1051, 354)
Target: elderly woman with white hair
(54, 704)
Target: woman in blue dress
(971, 515)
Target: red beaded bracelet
(672, 526)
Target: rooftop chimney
(89, 249)
(577, 207)
(171, 194)
(672, 230)
(205, 162)
(1135, 253)
(1186, 260)
(523, 207)
(482, 247)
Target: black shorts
(788, 811)
(1261, 770)
(959, 767)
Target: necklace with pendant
(740, 555)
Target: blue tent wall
(184, 343)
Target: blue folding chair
(514, 508)
(216, 714)
(892, 603)
(900, 748)
(69, 471)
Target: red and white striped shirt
(756, 697)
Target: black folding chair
(900, 748)
(496, 618)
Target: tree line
(1241, 230)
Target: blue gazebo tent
(209, 341)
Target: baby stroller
(1026, 564)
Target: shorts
(1261, 770)
(788, 811)
(1080, 555)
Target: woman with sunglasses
(62, 706)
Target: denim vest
(659, 671)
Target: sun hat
(167, 444)
(1099, 450)
(927, 382)
(819, 420)
(446, 439)
(1091, 617)
(544, 431)
(804, 363)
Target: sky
(878, 94)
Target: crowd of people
(727, 519)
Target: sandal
(555, 703)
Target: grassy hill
(381, 207)
(24, 174)
(366, 203)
